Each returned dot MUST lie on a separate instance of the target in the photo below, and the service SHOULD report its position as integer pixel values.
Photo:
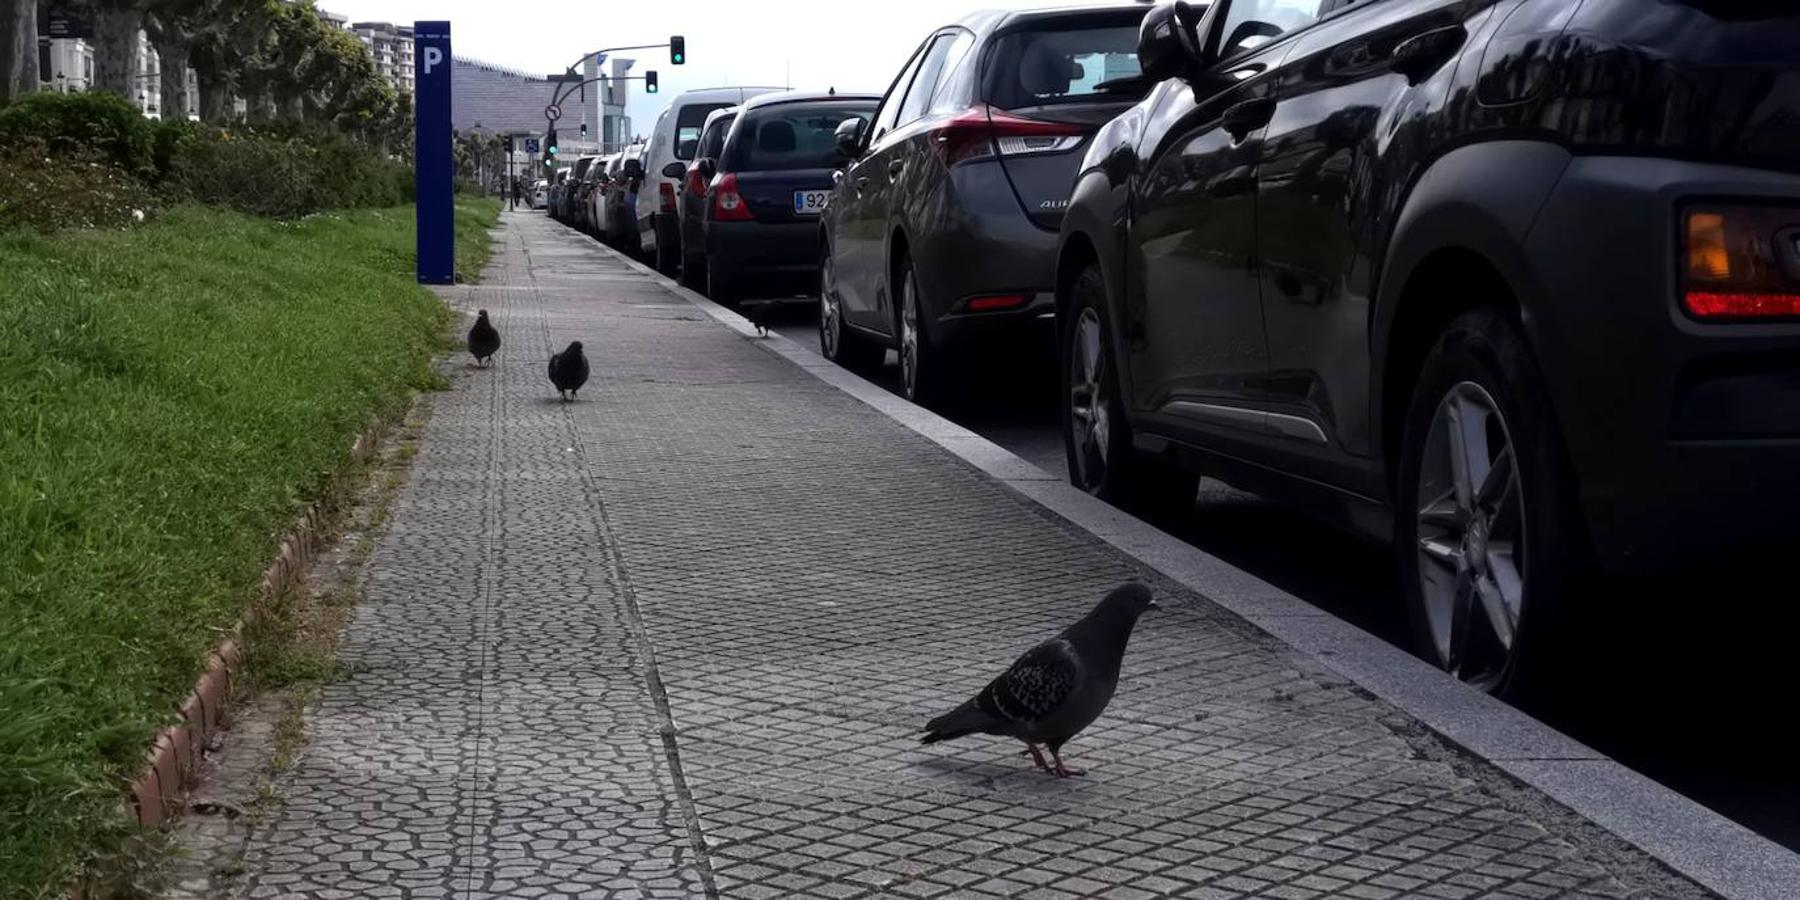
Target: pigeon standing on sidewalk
(484, 339)
(1058, 687)
(568, 371)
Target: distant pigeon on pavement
(484, 339)
(1058, 687)
(568, 371)
(761, 315)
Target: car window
(953, 89)
(793, 136)
(1249, 24)
(712, 143)
(889, 109)
(687, 127)
(918, 95)
(1062, 65)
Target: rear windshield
(688, 123)
(713, 141)
(794, 135)
(1065, 65)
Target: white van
(672, 141)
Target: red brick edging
(157, 794)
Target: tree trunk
(172, 56)
(215, 97)
(18, 49)
(115, 49)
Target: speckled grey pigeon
(484, 339)
(568, 370)
(1058, 687)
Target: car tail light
(728, 205)
(696, 185)
(1741, 263)
(994, 302)
(667, 190)
(984, 132)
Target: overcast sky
(853, 45)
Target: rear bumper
(982, 243)
(757, 248)
(1685, 436)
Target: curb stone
(1717, 853)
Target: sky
(852, 45)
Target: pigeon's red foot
(1036, 757)
(1062, 771)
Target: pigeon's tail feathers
(965, 719)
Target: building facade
(392, 47)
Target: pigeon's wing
(554, 359)
(1035, 685)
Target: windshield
(712, 143)
(688, 123)
(794, 135)
(1036, 68)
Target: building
(392, 47)
(499, 100)
(67, 64)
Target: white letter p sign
(433, 56)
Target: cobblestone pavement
(678, 638)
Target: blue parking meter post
(431, 151)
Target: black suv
(1514, 284)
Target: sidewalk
(678, 638)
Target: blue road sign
(431, 150)
(531, 145)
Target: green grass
(170, 397)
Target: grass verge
(170, 397)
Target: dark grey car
(941, 230)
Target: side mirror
(848, 137)
(708, 167)
(674, 170)
(1169, 40)
(634, 168)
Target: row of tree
(285, 61)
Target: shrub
(84, 125)
(269, 173)
(42, 192)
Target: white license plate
(810, 203)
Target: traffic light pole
(550, 124)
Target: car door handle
(1242, 118)
(895, 167)
(1422, 54)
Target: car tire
(839, 342)
(925, 368)
(693, 271)
(720, 287)
(1096, 430)
(1489, 536)
(668, 248)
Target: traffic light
(550, 143)
(650, 81)
(677, 50)
(584, 131)
(509, 144)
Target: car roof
(987, 21)
(718, 114)
(732, 94)
(803, 97)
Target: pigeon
(568, 371)
(760, 314)
(1058, 687)
(484, 339)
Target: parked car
(942, 231)
(567, 211)
(538, 197)
(621, 200)
(1518, 292)
(583, 207)
(553, 197)
(665, 157)
(769, 184)
(602, 174)
(691, 199)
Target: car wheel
(924, 367)
(1096, 433)
(720, 288)
(668, 249)
(838, 342)
(1489, 537)
(693, 271)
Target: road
(1684, 682)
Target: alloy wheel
(909, 337)
(1471, 531)
(1088, 414)
(830, 315)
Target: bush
(42, 192)
(282, 176)
(81, 125)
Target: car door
(1327, 165)
(860, 241)
(1193, 326)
